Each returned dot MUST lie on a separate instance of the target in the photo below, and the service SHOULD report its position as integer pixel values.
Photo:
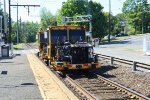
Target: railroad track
(100, 88)
(81, 93)
(31, 47)
(89, 86)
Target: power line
(10, 28)
(26, 6)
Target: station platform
(25, 77)
(17, 81)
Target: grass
(17, 46)
(116, 39)
(121, 38)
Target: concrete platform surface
(17, 80)
(50, 86)
(25, 77)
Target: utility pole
(142, 17)
(23, 28)
(9, 22)
(10, 29)
(142, 23)
(20, 28)
(17, 25)
(0, 29)
(109, 21)
(5, 19)
(91, 20)
(0, 4)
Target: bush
(131, 31)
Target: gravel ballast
(124, 74)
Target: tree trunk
(100, 38)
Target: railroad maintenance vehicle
(67, 49)
(42, 45)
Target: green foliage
(27, 32)
(59, 17)
(74, 7)
(2, 14)
(114, 24)
(99, 21)
(32, 29)
(83, 7)
(131, 31)
(17, 46)
(47, 18)
(119, 24)
(133, 10)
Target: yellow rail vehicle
(42, 43)
(68, 49)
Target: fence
(135, 64)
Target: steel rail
(82, 90)
(77, 86)
(133, 94)
(31, 47)
(130, 92)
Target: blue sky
(53, 6)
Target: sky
(53, 6)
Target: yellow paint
(50, 86)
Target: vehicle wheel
(38, 54)
(63, 75)
(47, 61)
(96, 58)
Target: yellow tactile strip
(50, 86)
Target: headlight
(90, 50)
(90, 55)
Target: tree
(135, 11)
(2, 14)
(47, 19)
(114, 24)
(83, 7)
(32, 29)
(99, 20)
(27, 33)
(59, 17)
(119, 24)
(74, 7)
